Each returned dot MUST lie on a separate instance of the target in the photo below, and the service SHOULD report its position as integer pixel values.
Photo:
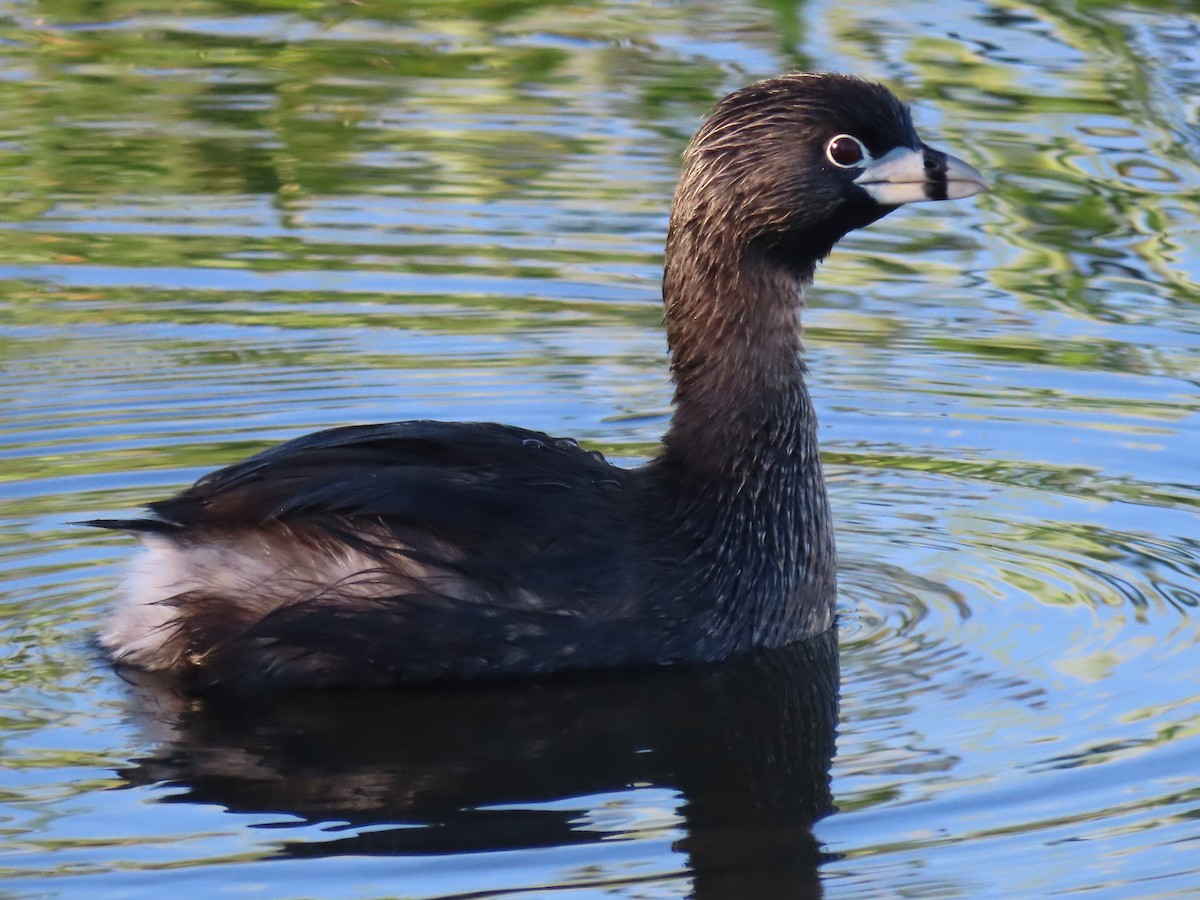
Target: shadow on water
(747, 747)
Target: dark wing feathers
(525, 542)
(521, 510)
(457, 475)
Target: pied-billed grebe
(416, 551)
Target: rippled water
(226, 224)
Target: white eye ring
(846, 151)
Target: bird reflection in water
(747, 746)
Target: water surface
(227, 224)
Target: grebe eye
(846, 151)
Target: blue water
(225, 225)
